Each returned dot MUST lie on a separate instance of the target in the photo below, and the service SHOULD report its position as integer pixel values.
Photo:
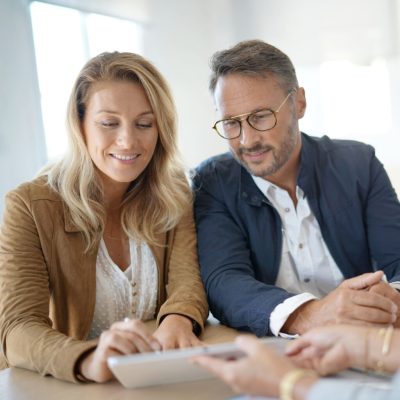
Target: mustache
(255, 149)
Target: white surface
(370, 379)
(173, 366)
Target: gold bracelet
(386, 334)
(286, 387)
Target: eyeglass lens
(262, 120)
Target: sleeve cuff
(395, 285)
(283, 310)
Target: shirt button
(301, 245)
(306, 280)
(287, 209)
(134, 293)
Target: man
(285, 220)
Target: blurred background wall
(346, 52)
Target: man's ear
(301, 102)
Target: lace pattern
(130, 293)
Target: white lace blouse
(129, 293)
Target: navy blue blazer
(240, 234)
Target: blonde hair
(155, 201)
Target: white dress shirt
(307, 268)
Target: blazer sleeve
(27, 337)
(383, 221)
(184, 287)
(236, 297)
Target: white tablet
(172, 366)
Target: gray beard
(279, 158)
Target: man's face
(262, 153)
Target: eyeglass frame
(247, 118)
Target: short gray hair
(253, 57)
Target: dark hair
(253, 57)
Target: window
(64, 40)
(356, 99)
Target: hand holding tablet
(172, 366)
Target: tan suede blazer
(47, 282)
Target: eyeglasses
(262, 120)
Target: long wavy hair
(155, 201)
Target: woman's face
(120, 130)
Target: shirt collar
(268, 188)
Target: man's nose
(249, 134)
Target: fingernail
(394, 308)
(155, 346)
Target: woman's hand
(258, 374)
(125, 337)
(332, 348)
(176, 331)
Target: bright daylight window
(356, 99)
(64, 40)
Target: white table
(19, 384)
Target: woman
(327, 350)
(105, 237)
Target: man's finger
(375, 301)
(363, 281)
(384, 289)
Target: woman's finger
(121, 342)
(138, 328)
